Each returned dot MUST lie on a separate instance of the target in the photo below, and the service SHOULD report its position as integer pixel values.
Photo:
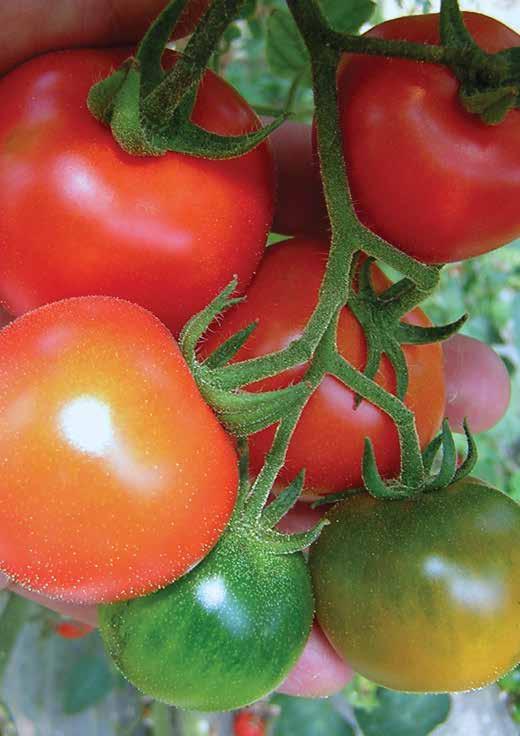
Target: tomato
(116, 476)
(167, 233)
(247, 723)
(328, 441)
(429, 177)
(73, 629)
(422, 595)
(222, 636)
(190, 17)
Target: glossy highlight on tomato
(221, 637)
(329, 439)
(422, 595)
(116, 476)
(165, 232)
(429, 177)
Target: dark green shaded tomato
(165, 232)
(423, 595)
(431, 178)
(116, 477)
(222, 636)
(329, 439)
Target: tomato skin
(247, 723)
(101, 423)
(328, 441)
(426, 175)
(222, 636)
(166, 232)
(73, 629)
(422, 595)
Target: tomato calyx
(380, 316)
(149, 109)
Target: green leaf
(347, 16)
(7, 724)
(286, 52)
(88, 681)
(400, 714)
(306, 717)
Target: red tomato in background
(190, 17)
(116, 476)
(429, 177)
(247, 723)
(73, 629)
(328, 441)
(79, 216)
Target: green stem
(162, 102)
(12, 620)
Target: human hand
(478, 385)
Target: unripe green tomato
(423, 595)
(222, 636)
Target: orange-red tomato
(116, 477)
(79, 216)
(431, 178)
(328, 441)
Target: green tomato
(222, 636)
(423, 595)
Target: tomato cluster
(119, 485)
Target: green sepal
(491, 105)
(333, 498)
(100, 99)
(227, 351)
(430, 453)
(374, 484)
(284, 503)
(153, 43)
(449, 461)
(126, 123)
(416, 335)
(189, 138)
(471, 455)
(199, 323)
(287, 544)
(380, 317)
(244, 413)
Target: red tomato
(80, 216)
(426, 175)
(73, 629)
(246, 723)
(328, 441)
(116, 477)
(190, 17)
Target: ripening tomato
(115, 477)
(248, 723)
(328, 441)
(422, 595)
(79, 216)
(429, 177)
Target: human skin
(28, 28)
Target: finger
(27, 27)
(477, 384)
